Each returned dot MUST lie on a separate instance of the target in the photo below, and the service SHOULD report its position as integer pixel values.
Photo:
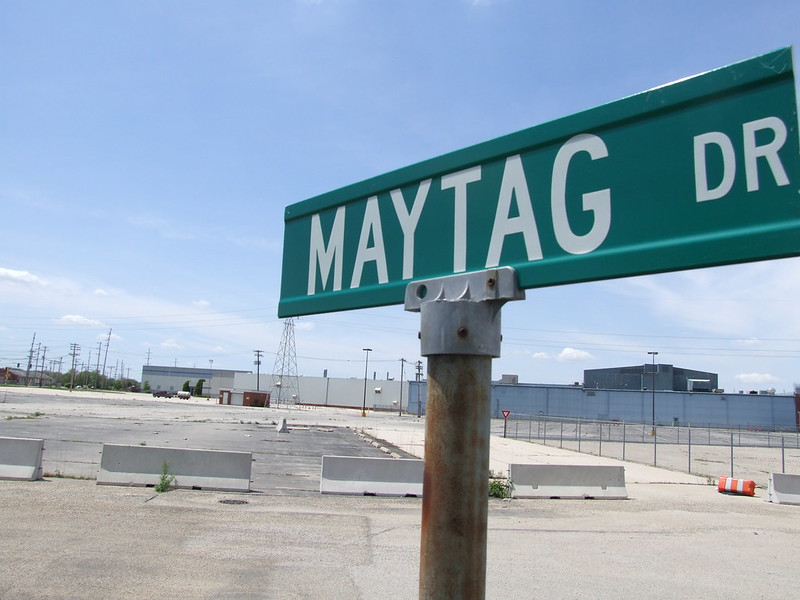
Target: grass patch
(35, 415)
(59, 475)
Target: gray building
(760, 411)
(648, 377)
(172, 378)
(374, 394)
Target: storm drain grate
(232, 501)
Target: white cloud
(171, 344)
(79, 320)
(100, 292)
(201, 303)
(755, 378)
(541, 356)
(573, 354)
(20, 276)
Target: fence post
(544, 439)
(655, 447)
(690, 450)
(783, 456)
(624, 438)
(579, 433)
(731, 454)
(600, 451)
(561, 442)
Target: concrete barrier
(783, 489)
(568, 481)
(371, 476)
(21, 458)
(193, 469)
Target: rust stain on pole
(455, 495)
(460, 334)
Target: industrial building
(171, 379)
(639, 403)
(650, 376)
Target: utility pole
(74, 351)
(257, 363)
(366, 368)
(105, 358)
(41, 371)
(30, 359)
(97, 369)
(403, 362)
(419, 390)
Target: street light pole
(402, 364)
(258, 367)
(366, 369)
(653, 430)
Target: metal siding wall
(730, 410)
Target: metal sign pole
(460, 334)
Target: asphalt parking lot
(75, 429)
(70, 539)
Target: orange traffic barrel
(737, 486)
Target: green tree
(186, 386)
(147, 387)
(198, 387)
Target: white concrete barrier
(783, 489)
(568, 481)
(21, 458)
(363, 476)
(193, 469)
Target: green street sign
(697, 173)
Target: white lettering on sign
(768, 151)
(752, 152)
(327, 258)
(408, 222)
(598, 202)
(514, 185)
(723, 142)
(370, 227)
(459, 182)
(326, 254)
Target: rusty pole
(460, 334)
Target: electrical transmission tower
(285, 384)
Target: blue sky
(148, 149)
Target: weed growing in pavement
(165, 480)
(499, 486)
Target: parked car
(163, 394)
(184, 395)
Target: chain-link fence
(706, 451)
